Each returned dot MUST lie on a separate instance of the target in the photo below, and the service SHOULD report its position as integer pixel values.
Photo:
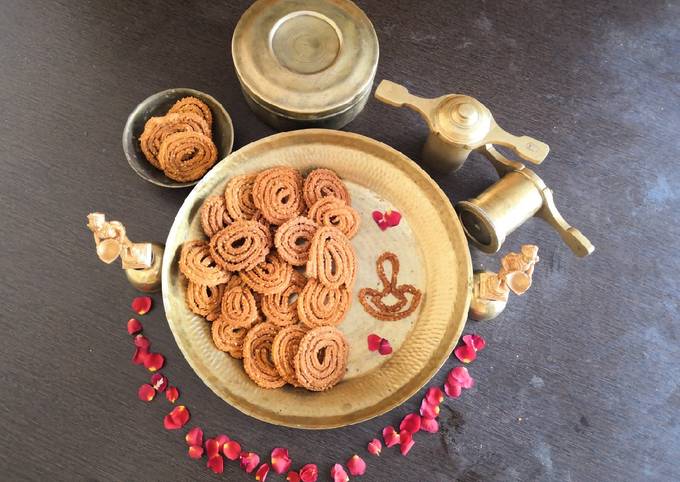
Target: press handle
(397, 95)
(526, 147)
(577, 242)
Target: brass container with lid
(305, 63)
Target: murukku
(241, 245)
(332, 259)
(277, 193)
(321, 360)
(204, 300)
(194, 106)
(228, 338)
(157, 129)
(198, 265)
(320, 305)
(281, 308)
(238, 195)
(332, 211)
(270, 276)
(322, 183)
(293, 238)
(257, 356)
(186, 156)
(284, 349)
(238, 306)
(214, 216)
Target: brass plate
(434, 256)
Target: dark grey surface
(580, 377)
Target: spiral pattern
(157, 129)
(238, 306)
(331, 211)
(257, 356)
(228, 338)
(281, 308)
(238, 195)
(321, 360)
(277, 193)
(195, 106)
(186, 156)
(320, 305)
(214, 216)
(198, 265)
(270, 276)
(241, 246)
(293, 238)
(332, 259)
(284, 349)
(322, 183)
(204, 300)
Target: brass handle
(397, 95)
(526, 147)
(577, 242)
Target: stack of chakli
(276, 274)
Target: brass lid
(462, 119)
(305, 58)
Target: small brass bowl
(158, 105)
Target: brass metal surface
(433, 253)
(458, 125)
(481, 307)
(305, 62)
(148, 279)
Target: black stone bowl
(158, 105)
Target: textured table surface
(579, 380)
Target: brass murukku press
(460, 124)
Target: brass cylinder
(148, 279)
(488, 218)
(442, 155)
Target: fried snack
(228, 338)
(322, 183)
(157, 129)
(238, 306)
(214, 216)
(332, 259)
(238, 195)
(198, 265)
(373, 300)
(186, 156)
(321, 360)
(284, 349)
(293, 238)
(281, 308)
(320, 305)
(257, 356)
(270, 276)
(277, 193)
(204, 300)
(194, 106)
(332, 211)
(241, 245)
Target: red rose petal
(140, 356)
(460, 376)
(160, 383)
(232, 450)
(141, 305)
(281, 461)
(478, 342)
(383, 225)
(216, 464)
(410, 423)
(338, 474)
(293, 476)
(154, 362)
(385, 347)
(212, 447)
(453, 390)
(146, 393)
(221, 440)
(262, 472)
(142, 342)
(434, 395)
(373, 342)
(194, 436)
(172, 394)
(465, 353)
(427, 410)
(134, 326)
(374, 447)
(195, 451)
(377, 216)
(356, 465)
(406, 443)
(249, 461)
(429, 425)
(392, 218)
(309, 473)
(390, 436)
(177, 418)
